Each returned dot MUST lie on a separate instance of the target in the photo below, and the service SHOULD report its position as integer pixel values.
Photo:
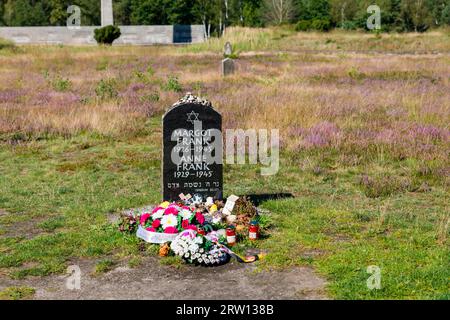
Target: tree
(342, 11)
(445, 15)
(122, 12)
(149, 12)
(203, 10)
(416, 15)
(24, 13)
(180, 12)
(438, 9)
(90, 11)
(251, 13)
(279, 11)
(58, 13)
(2, 11)
(313, 9)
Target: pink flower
(171, 210)
(157, 209)
(144, 218)
(151, 229)
(171, 230)
(200, 218)
(192, 227)
(156, 223)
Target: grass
(104, 266)
(7, 44)
(365, 144)
(17, 293)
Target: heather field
(364, 124)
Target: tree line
(216, 15)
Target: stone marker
(228, 49)
(107, 13)
(227, 67)
(192, 132)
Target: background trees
(217, 15)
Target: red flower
(185, 224)
(171, 230)
(192, 227)
(171, 210)
(156, 223)
(200, 218)
(151, 229)
(144, 218)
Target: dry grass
(348, 100)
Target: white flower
(158, 214)
(193, 248)
(198, 240)
(169, 220)
(186, 255)
(202, 250)
(206, 261)
(186, 214)
(200, 260)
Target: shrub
(61, 84)
(107, 35)
(349, 25)
(152, 97)
(6, 44)
(356, 74)
(321, 25)
(445, 15)
(106, 89)
(172, 85)
(303, 25)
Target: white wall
(136, 35)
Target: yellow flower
(213, 208)
(165, 204)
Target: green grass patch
(69, 186)
(104, 266)
(17, 293)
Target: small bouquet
(198, 249)
(166, 221)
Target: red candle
(253, 231)
(231, 236)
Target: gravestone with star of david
(192, 150)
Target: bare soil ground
(153, 281)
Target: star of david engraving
(192, 116)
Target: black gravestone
(192, 172)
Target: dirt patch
(3, 213)
(24, 229)
(156, 282)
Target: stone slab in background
(227, 67)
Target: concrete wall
(136, 35)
